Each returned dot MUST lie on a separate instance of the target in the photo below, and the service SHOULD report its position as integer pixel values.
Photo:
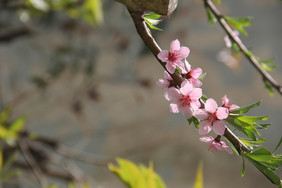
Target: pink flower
(227, 104)
(192, 75)
(186, 99)
(211, 118)
(216, 144)
(227, 40)
(167, 82)
(174, 56)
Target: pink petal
(172, 94)
(183, 52)
(206, 139)
(195, 105)
(167, 76)
(218, 146)
(187, 112)
(211, 105)
(174, 45)
(201, 114)
(227, 41)
(187, 65)
(163, 56)
(196, 72)
(227, 148)
(195, 94)
(163, 83)
(233, 107)
(204, 127)
(186, 87)
(174, 108)
(222, 113)
(225, 101)
(218, 127)
(170, 67)
(195, 82)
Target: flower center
(187, 75)
(212, 117)
(185, 101)
(172, 57)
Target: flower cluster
(186, 98)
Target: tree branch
(155, 49)
(265, 75)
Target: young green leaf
(211, 17)
(239, 23)
(243, 168)
(217, 1)
(278, 145)
(261, 155)
(151, 19)
(245, 109)
(152, 16)
(268, 87)
(17, 125)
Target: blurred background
(82, 77)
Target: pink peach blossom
(211, 118)
(174, 56)
(227, 104)
(215, 144)
(167, 82)
(192, 74)
(186, 99)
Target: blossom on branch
(167, 82)
(186, 99)
(174, 57)
(192, 74)
(211, 118)
(227, 40)
(216, 144)
(227, 104)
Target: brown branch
(11, 35)
(155, 49)
(265, 75)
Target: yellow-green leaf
(199, 177)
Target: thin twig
(243, 48)
(32, 163)
(155, 49)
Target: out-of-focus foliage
(199, 177)
(89, 10)
(136, 176)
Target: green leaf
(261, 155)
(268, 87)
(211, 17)
(262, 125)
(152, 15)
(243, 168)
(217, 1)
(278, 145)
(266, 64)
(251, 119)
(136, 177)
(239, 23)
(245, 109)
(17, 125)
(235, 48)
(252, 143)
(5, 115)
(269, 173)
(199, 177)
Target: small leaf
(260, 155)
(211, 17)
(217, 1)
(152, 15)
(243, 168)
(17, 125)
(268, 87)
(278, 145)
(239, 23)
(199, 177)
(245, 109)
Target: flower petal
(211, 105)
(174, 45)
(204, 127)
(195, 82)
(163, 56)
(163, 83)
(206, 139)
(218, 127)
(225, 101)
(201, 114)
(222, 113)
(227, 148)
(174, 108)
(186, 87)
(187, 65)
(183, 52)
(196, 72)
(233, 107)
(170, 67)
(187, 112)
(172, 94)
(195, 94)
(167, 76)
(195, 105)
